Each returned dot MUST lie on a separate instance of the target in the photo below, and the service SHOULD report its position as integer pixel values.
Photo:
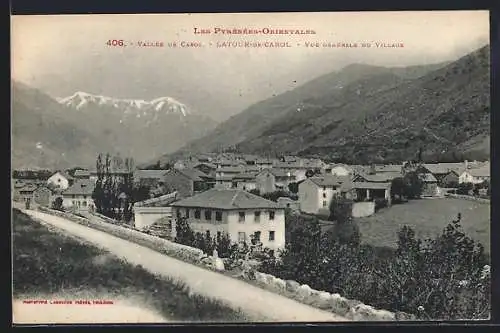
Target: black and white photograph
(292, 167)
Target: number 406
(115, 42)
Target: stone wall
(362, 209)
(350, 309)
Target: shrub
(464, 188)
(440, 278)
(380, 203)
(57, 204)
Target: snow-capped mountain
(80, 100)
(72, 130)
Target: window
(73, 196)
(324, 195)
(84, 203)
(244, 188)
(324, 188)
(241, 217)
(287, 205)
(208, 215)
(324, 203)
(218, 216)
(256, 236)
(271, 215)
(257, 216)
(197, 214)
(187, 212)
(241, 237)
(85, 197)
(271, 236)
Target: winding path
(259, 304)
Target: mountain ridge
(350, 106)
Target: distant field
(428, 217)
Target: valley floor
(428, 217)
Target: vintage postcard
(257, 167)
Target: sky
(62, 54)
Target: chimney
(466, 164)
(372, 169)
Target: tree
(464, 188)
(183, 233)
(293, 187)
(345, 231)
(398, 188)
(413, 185)
(57, 204)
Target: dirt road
(257, 303)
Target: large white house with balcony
(240, 214)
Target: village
(246, 196)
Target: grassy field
(428, 217)
(46, 262)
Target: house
(369, 191)
(377, 177)
(340, 170)
(206, 168)
(149, 178)
(224, 176)
(288, 203)
(316, 193)
(245, 181)
(27, 192)
(79, 196)
(17, 185)
(429, 185)
(187, 182)
(42, 196)
(271, 180)
(150, 211)
(245, 217)
(81, 174)
(60, 180)
(393, 168)
(264, 163)
(445, 173)
(475, 175)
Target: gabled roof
(194, 174)
(483, 171)
(226, 199)
(28, 188)
(277, 172)
(149, 174)
(81, 187)
(244, 176)
(380, 177)
(388, 168)
(161, 201)
(234, 169)
(444, 168)
(371, 186)
(81, 173)
(329, 180)
(64, 174)
(208, 164)
(428, 178)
